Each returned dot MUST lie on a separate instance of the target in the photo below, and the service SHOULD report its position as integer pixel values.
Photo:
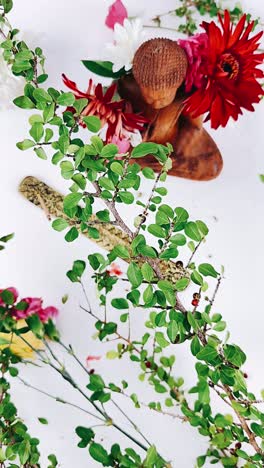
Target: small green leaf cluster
(115, 456)
(5, 239)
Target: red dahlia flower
(229, 67)
(114, 114)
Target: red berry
(195, 302)
(148, 365)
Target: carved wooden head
(159, 67)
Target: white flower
(10, 85)
(13, 86)
(135, 138)
(127, 39)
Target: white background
(37, 259)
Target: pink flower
(196, 48)
(123, 144)
(35, 307)
(114, 270)
(117, 13)
(13, 290)
(89, 359)
(48, 313)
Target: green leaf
(151, 457)
(235, 355)
(182, 215)
(197, 278)
(220, 326)
(80, 104)
(72, 234)
(67, 169)
(134, 275)
(37, 131)
(182, 284)
(42, 78)
(7, 238)
(8, 5)
(202, 227)
(103, 68)
(40, 153)
(192, 321)
(66, 99)
(86, 435)
(157, 231)
(208, 354)
(60, 224)
(147, 251)
(258, 430)
(7, 297)
(148, 173)
(109, 151)
(120, 303)
(148, 294)
(99, 454)
(126, 197)
(48, 135)
(24, 102)
(161, 340)
(43, 421)
(147, 272)
(80, 180)
(106, 183)
(93, 123)
(72, 200)
(191, 230)
(79, 267)
(195, 346)
(144, 149)
(117, 168)
(172, 331)
(121, 251)
(25, 144)
(172, 252)
(35, 325)
(178, 239)
(160, 319)
(24, 451)
(206, 269)
(42, 96)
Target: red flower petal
(230, 73)
(117, 13)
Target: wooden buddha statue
(156, 89)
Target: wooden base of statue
(195, 156)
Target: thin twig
(145, 213)
(59, 399)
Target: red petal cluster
(117, 14)
(114, 114)
(230, 72)
(34, 305)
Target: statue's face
(158, 99)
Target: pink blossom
(48, 313)
(196, 48)
(117, 13)
(114, 270)
(90, 358)
(35, 307)
(122, 143)
(13, 290)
